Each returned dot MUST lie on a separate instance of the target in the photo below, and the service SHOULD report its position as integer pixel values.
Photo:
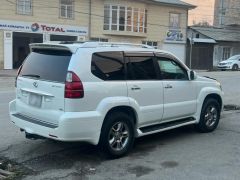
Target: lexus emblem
(35, 84)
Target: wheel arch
(207, 93)
(214, 96)
(125, 109)
(235, 65)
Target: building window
(99, 39)
(121, 18)
(67, 9)
(226, 53)
(151, 43)
(24, 7)
(174, 22)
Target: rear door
(41, 85)
(145, 90)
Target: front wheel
(210, 116)
(235, 67)
(117, 135)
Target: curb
(8, 73)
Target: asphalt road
(177, 154)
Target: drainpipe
(191, 49)
(89, 19)
(221, 13)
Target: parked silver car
(233, 63)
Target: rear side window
(50, 65)
(108, 66)
(141, 68)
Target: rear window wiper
(31, 75)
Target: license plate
(35, 100)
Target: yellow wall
(157, 14)
(47, 12)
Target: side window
(108, 66)
(141, 68)
(171, 70)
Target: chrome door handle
(135, 88)
(168, 86)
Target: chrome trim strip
(35, 121)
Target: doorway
(21, 43)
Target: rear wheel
(210, 116)
(235, 67)
(117, 135)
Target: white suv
(109, 94)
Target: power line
(102, 16)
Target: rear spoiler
(33, 46)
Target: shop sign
(36, 27)
(174, 35)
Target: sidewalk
(7, 80)
(8, 73)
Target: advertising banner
(37, 27)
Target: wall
(47, 12)
(1, 49)
(158, 16)
(44, 11)
(226, 12)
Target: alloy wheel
(118, 136)
(211, 116)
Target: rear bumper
(72, 126)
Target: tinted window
(171, 70)
(108, 65)
(141, 68)
(51, 65)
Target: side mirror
(192, 75)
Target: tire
(235, 67)
(210, 115)
(117, 135)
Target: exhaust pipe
(33, 136)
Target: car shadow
(84, 156)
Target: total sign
(42, 27)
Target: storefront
(18, 35)
(175, 43)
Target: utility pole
(191, 46)
(89, 20)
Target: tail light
(73, 86)
(18, 72)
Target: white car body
(153, 102)
(230, 63)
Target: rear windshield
(50, 65)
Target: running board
(165, 125)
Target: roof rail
(114, 44)
(92, 44)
